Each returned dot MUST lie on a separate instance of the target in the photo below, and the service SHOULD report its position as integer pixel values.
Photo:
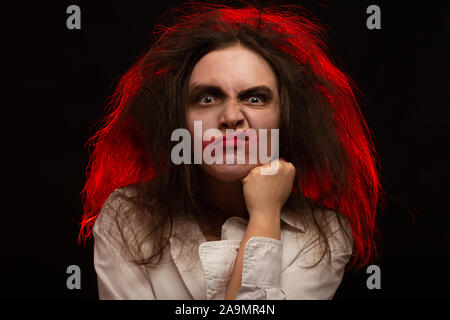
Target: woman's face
(233, 88)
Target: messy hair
(322, 131)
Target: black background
(57, 81)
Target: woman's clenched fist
(265, 194)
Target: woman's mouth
(237, 139)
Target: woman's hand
(265, 195)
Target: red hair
(120, 156)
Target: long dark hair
(322, 131)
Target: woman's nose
(232, 116)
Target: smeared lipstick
(238, 139)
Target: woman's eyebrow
(258, 90)
(198, 90)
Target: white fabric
(272, 269)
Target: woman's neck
(226, 196)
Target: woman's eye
(207, 99)
(255, 100)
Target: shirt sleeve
(261, 270)
(117, 278)
(303, 279)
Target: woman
(202, 230)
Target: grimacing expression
(233, 88)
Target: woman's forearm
(259, 225)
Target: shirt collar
(289, 217)
(192, 273)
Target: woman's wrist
(265, 224)
(265, 216)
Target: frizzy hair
(322, 130)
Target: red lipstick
(237, 139)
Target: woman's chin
(228, 172)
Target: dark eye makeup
(201, 91)
(262, 98)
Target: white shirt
(272, 269)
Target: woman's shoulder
(324, 222)
(118, 206)
(322, 217)
(121, 221)
(119, 199)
